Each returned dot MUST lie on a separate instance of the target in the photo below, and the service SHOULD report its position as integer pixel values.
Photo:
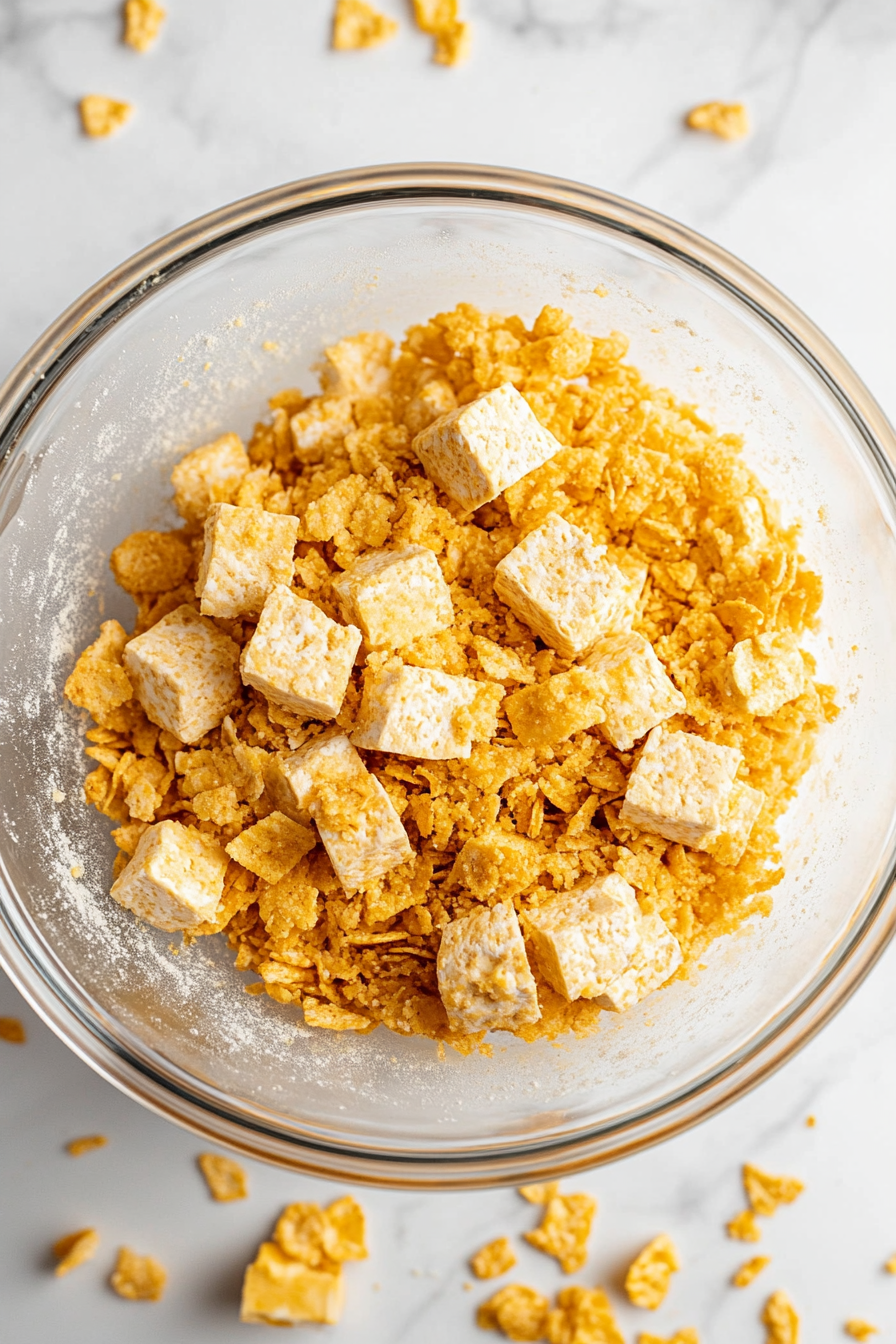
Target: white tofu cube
(563, 586)
(484, 978)
(585, 938)
(209, 475)
(681, 786)
(656, 958)
(395, 597)
(414, 711)
(175, 878)
(358, 366)
(319, 426)
(357, 823)
(247, 553)
(637, 694)
(765, 673)
(185, 673)
(480, 449)
(727, 844)
(298, 657)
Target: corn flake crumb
(810, 1121)
(74, 1249)
(101, 116)
(859, 1329)
(12, 1030)
(357, 25)
(766, 1193)
(650, 1273)
(583, 1316)
(780, 1319)
(729, 121)
(441, 20)
(744, 1227)
(539, 1194)
(890, 1265)
(564, 1230)
(225, 1178)
(749, 1270)
(686, 1336)
(494, 1259)
(142, 22)
(517, 1311)
(87, 1144)
(139, 1278)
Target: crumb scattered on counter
(74, 1249)
(519, 1312)
(744, 1227)
(539, 1194)
(749, 1270)
(357, 25)
(729, 121)
(810, 1121)
(225, 1178)
(582, 1316)
(12, 1031)
(441, 20)
(139, 1278)
(649, 1275)
(78, 1147)
(495, 1258)
(101, 116)
(564, 1230)
(767, 1193)
(143, 20)
(780, 1319)
(298, 1275)
(686, 1336)
(890, 1265)
(860, 1330)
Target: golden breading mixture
(88, 1144)
(499, 817)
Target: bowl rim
(100, 307)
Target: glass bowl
(169, 351)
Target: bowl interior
(187, 363)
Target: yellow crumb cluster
(744, 1227)
(142, 21)
(767, 1193)
(860, 1330)
(729, 121)
(225, 1178)
(686, 1336)
(581, 1316)
(539, 1194)
(139, 1278)
(782, 1324)
(87, 1144)
(441, 20)
(12, 1031)
(748, 1271)
(649, 1275)
(297, 1276)
(357, 25)
(497, 1257)
(74, 1249)
(641, 473)
(564, 1230)
(100, 116)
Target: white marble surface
(239, 96)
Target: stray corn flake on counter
(470, 692)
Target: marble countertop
(237, 97)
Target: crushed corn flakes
(766, 1193)
(744, 1227)
(582, 1316)
(12, 1030)
(686, 1336)
(890, 1265)
(87, 1144)
(139, 1278)
(494, 1259)
(518, 1312)
(142, 22)
(858, 1329)
(729, 121)
(564, 1230)
(441, 20)
(225, 1178)
(298, 1276)
(357, 25)
(781, 1322)
(749, 1270)
(74, 1249)
(638, 471)
(539, 1194)
(650, 1273)
(100, 116)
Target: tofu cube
(319, 426)
(434, 398)
(415, 711)
(175, 878)
(185, 673)
(247, 553)
(681, 786)
(765, 673)
(298, 657)
(362, 833)
(209, 475)
(358, 366)
(555, 709)
(484, 978)
(395, 597)
(656, 958)
(637, 694)
(563, 587)
(278, 1290)
(480, 449)
(497, 862)
(727, 844)
(585, 938)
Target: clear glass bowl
(167, 352)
